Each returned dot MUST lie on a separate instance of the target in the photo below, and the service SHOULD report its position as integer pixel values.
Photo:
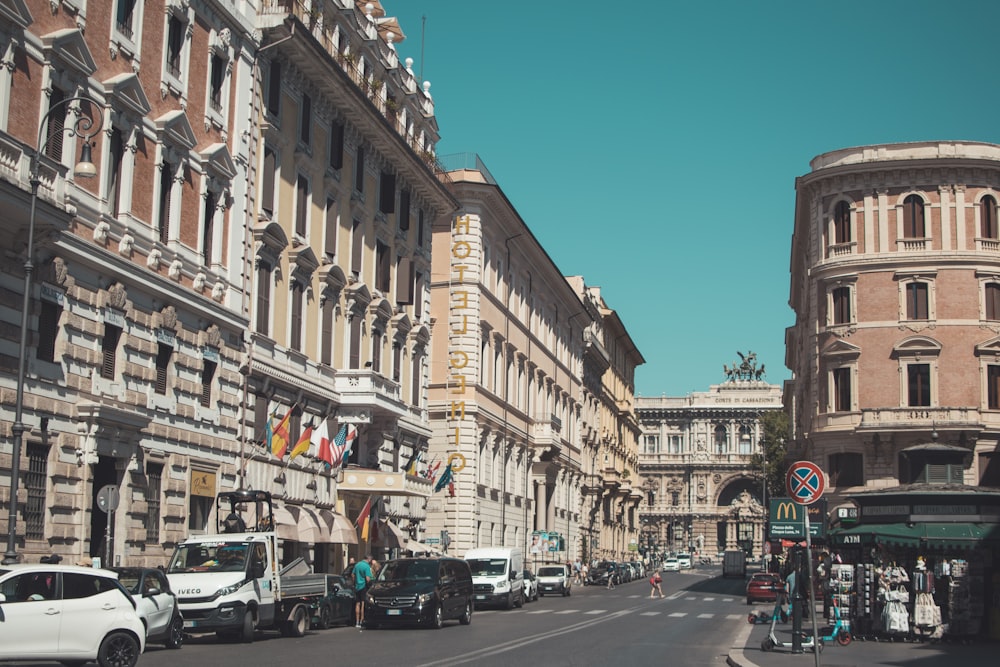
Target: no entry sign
(805, 482)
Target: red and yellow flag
(280, 437)
(302, 446)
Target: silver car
(156, 604)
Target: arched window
(988, 217)
(720, 439)
(913, 217)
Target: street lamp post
(86, 127)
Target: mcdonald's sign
(787, 519)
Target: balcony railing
(915, 418)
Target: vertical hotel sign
(461, 318)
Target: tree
(771, 465)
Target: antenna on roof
(423, 29)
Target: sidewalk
(747, 652)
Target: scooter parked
(841, 630)
(772, 641)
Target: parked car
(337, 606)
(684, 561)
(671, 564)
(69, 614)
(422, 591)
(156, 604)
(530, 586)
(764, 587)
(554, 579)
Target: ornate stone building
(701, 493)
(135, 313)
(895, 283)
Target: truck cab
(497, 576)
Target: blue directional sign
(805, 482)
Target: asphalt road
(696, 624)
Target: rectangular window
(109, 350)
(387, 193)
(123, 17)
(305, 120)
(301, 205)
(354, 354)
(218, 78)
(209, 229)
(175, 37)
(166, 188)
(274, 88)
(163, 354)
(295, 317)
(993, 301)
(336, 144)
(154, 485)
(841, 389)
(381, 267)
(330, 223)
(415, 382)
(993, 387)
(35, 481)
(404, 281)
(397, 358)
(55, 125)
(207, 375)
(916, 301)
(326, 345)
(404, 210)
(418, 293)
(841, 305)
(842, 223)
(263, 298)
(267, 179)
(48, 331)
(376, 363)
(116, 155)
(359, 169)
(913, 217)
(357, 243)
(420, 228)
(918, 379)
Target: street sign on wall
(787, 519)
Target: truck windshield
(209, 557)
(551, 572)
(485, 567)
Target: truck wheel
(297, 625)
(247, 631)
(510, 600)
(520, 600)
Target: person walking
(654, 582)
(362, 575)
(611, 577)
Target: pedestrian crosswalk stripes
(678, 614)
(650, 613)
(568, 611)
(706, 615)
(596, 611)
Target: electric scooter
(841, 630)
(772, 641)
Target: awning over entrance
(420, 548)
(299, 524)
(339, 528)
(390, 535)
(285, 524)
(944, 535)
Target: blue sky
(652, 147)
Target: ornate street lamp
(86, 127)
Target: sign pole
(812, 588)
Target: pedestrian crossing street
(653, 612)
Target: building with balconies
(895, 284)
(135, 301)
(505, 395)
(695, 462)
(346, 188)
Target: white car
(530, 586)
(68, 614)
(671, 565)
(156, 604)
(684, 561)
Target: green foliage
(776, 436)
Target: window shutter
(109, 350)
(166, 185)
(274, 88)
(207, 374)
(326, 351)
(357, 243)
(387, 193)
(55, 124)
(301, 206)
(330, 240)
(162, 364)
(336, 145)
(404, 281)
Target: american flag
(342, 443)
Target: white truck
(229, 583)
(497, 576)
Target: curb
(736, 658)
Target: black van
(423, 591)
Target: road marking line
(595, 611)
(678, 614)
(650, 613)
(568, 611)
(708, 599)
(690, 599)
(728, 599)
(674, 596)
(733, 617)
(706, 615)
(541, 611)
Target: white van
(497, 575)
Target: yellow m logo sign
(787, 511)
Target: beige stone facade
(894, 354)
(701, 492)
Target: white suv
(68, 613)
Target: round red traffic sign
(805, 482)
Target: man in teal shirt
(362, 575)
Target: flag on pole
(280, 437)
(268, 432)
(362, 520)
(342, 444)
(349, 438)
(411, 467)
(302, 446)
(445, 479)
(320, 448)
